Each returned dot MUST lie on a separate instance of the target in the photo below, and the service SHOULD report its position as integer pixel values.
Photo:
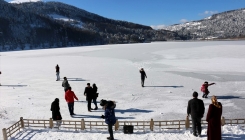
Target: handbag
(128, 129)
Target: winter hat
(195, 94)
(56, 100)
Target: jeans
(58, 75)
(196, 125)
(71, 108)
(89, 103)
(110, 131)
(95, 102)
(142, 81)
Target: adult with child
(57, 68)
(88, 92)
(65, 84)
(196, 109)
(55, 108)
(109, 116)
(95, 95)
(214, 119)
(69, 97)
(205, 90)
(143, 76)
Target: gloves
(102, 116)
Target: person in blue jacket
(109, 117)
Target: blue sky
(155, 12)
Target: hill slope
(53, 24)
(229, 24)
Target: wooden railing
(100, 125)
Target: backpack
(203, 88)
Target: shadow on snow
(76, 79)
(229, 97)
(167, 86)
(14, 85)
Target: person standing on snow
(205, 90)
(88, 92)
(143, 76)
(65, 84)
(69, 97)
(57, 68)
(196, 109)
(55, 108)
(95, 95)
(110, 117)
(214, 120)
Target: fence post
(187, 123)
(51, 124)
(22, 122)
(151, 124)
(82, 124)
(222, 121)
(5, 137)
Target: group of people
(196, 109)
(89, 92)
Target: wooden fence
(82, 124)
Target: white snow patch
(23, 1)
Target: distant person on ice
(88, 92)
(69, 97)
(57, 68)
(0, 73)
(143, 76)
(214, 119)
(205, 90)
(55, 108)
(196, 109)
(95, 95)
(65, 84)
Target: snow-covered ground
(174, 70)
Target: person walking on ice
(69, 97)
(143, 76)
(57, 68)
(65, 84)
(205, 90)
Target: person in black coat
(95, 95)
(143, 76)
(55, 108)
(196, 109)
(88, 92)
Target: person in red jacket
(69, 96)
(205, 90)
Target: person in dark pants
(214, 119)
(143, 76)
(110, 117)
(57, 68)
(65, 84)
(0, 73)
(88, 92)
(196, 109)
(95, 95)
(55, 108)
(69, 97)
(205, 90)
